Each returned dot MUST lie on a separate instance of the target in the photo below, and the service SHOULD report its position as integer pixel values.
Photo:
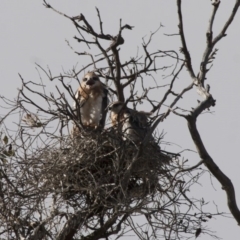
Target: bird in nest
(91, 102)
(134, 125)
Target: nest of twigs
(93, 166)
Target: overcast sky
(31, 34)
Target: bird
(133, 124)
(91, 101)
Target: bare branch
(214, 169)
(184, 45)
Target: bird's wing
(135, 125)
(139, 119)
(79, 98)
(105, 102)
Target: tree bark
(214, 169)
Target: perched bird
(93, 101)
(133, 124)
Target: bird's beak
(90, 82)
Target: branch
(214, 169)
(227, 24)
(168, 92)
(184, 45)
(118, 40)
(211, 43)
(102, 232)
(100, 20)
(71, 226)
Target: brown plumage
(92, 96)
(133, 124)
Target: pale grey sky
(31, 33)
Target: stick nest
(93, 166)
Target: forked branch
(208, 101)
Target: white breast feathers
(91, 111)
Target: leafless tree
(54, 185)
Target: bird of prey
(92, 96)
(133, 124)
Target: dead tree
(98, 184)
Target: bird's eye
(85, 79)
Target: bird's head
(90, 81)
(116, 107)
